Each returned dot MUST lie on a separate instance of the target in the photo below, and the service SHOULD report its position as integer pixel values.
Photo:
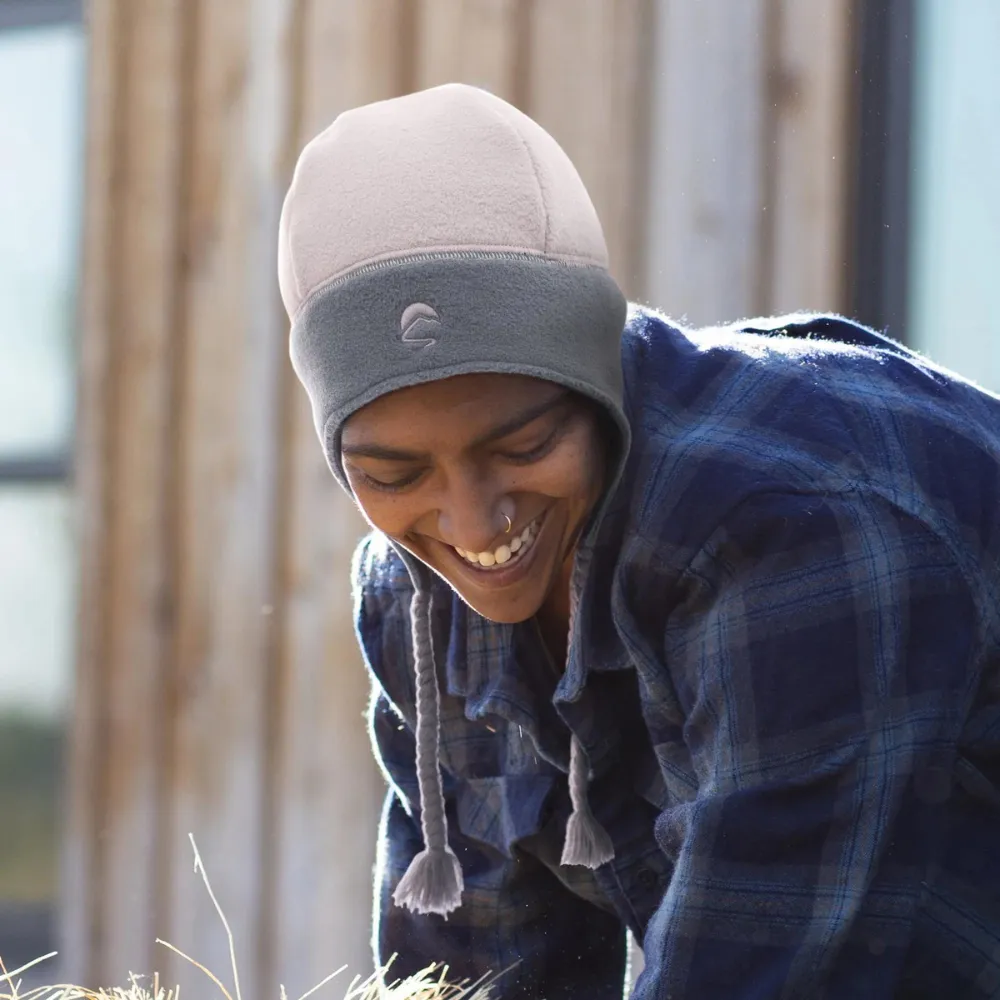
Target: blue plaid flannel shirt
(785, 667)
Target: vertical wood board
(93, 470)
(811, 156)
(328, 787)
(586, 81)
(138, 583)
(707, 160)
(472, 41)
(217, 773)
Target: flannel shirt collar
(489, 667)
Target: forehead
(462, 404)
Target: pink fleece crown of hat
(449, 168)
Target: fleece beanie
(434, 235)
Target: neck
(553, 615)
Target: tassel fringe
(432, 884)
(587, 842)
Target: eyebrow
(524, 418)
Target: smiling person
(689, 632)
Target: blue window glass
(955, 197)
(41, 127)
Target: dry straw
(429, 984)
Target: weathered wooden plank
(137, 587)
(225, 524)
(93, 468)
(707, 161)
(587, 85)
(811, 85)
(276, 42)
(328, 790)
(468, 41)
(351, 53)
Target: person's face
(436, 466)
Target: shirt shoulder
(807, 403)
(377, 568)
(381, 590)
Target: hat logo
(418, 325)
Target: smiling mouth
(506, 555)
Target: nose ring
(510, 524)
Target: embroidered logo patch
(418, 325)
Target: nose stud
(510, 524)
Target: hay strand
(429, 984)
(199, 867)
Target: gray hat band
(430, 317)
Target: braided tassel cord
(587, 842)
(433, 882)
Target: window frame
(882, 158)
(39, 13)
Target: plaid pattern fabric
(785, 667)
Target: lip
(496, 579)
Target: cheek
(390, 515)
(570, 473)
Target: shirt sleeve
(823, 655)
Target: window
(927, 234)
(41, 128)
(954, 196)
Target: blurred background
(176, 643)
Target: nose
(471, 514)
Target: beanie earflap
(433, 882)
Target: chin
(507, 605)
(509, 595)
(503, 613)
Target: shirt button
(648, 879)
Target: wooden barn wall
(219, 690)
(751, 135)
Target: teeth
(503, 553)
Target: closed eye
(396, 486)
(533, 454)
